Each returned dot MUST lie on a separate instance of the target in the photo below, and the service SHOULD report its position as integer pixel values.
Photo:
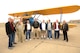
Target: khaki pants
(21, 36)
(43, 34)
(36, 33)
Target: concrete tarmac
(43, 46)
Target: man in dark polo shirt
(36, 30)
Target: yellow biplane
(59, 10)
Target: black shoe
(14, 43)
(66, 40)
(33, 38)
(37, 38)
(57, 37)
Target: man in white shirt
(28, 26)
(43, 29)
(28, 30)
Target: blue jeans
(11, 39)
(56, 34)
(49, 33)
(28, 34)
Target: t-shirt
(57, 28)
(43, 26)
(49, 26)
(28, 26)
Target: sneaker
(50, 38)
(10, 47)
(13, 46)
(26, 40)
(41, 36)
(47, 38)
(30, 39)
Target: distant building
(74, 21)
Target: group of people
(41, 30)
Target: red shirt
(12, 27)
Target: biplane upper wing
(65, 9)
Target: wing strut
(61, 15)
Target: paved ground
(44, 46)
